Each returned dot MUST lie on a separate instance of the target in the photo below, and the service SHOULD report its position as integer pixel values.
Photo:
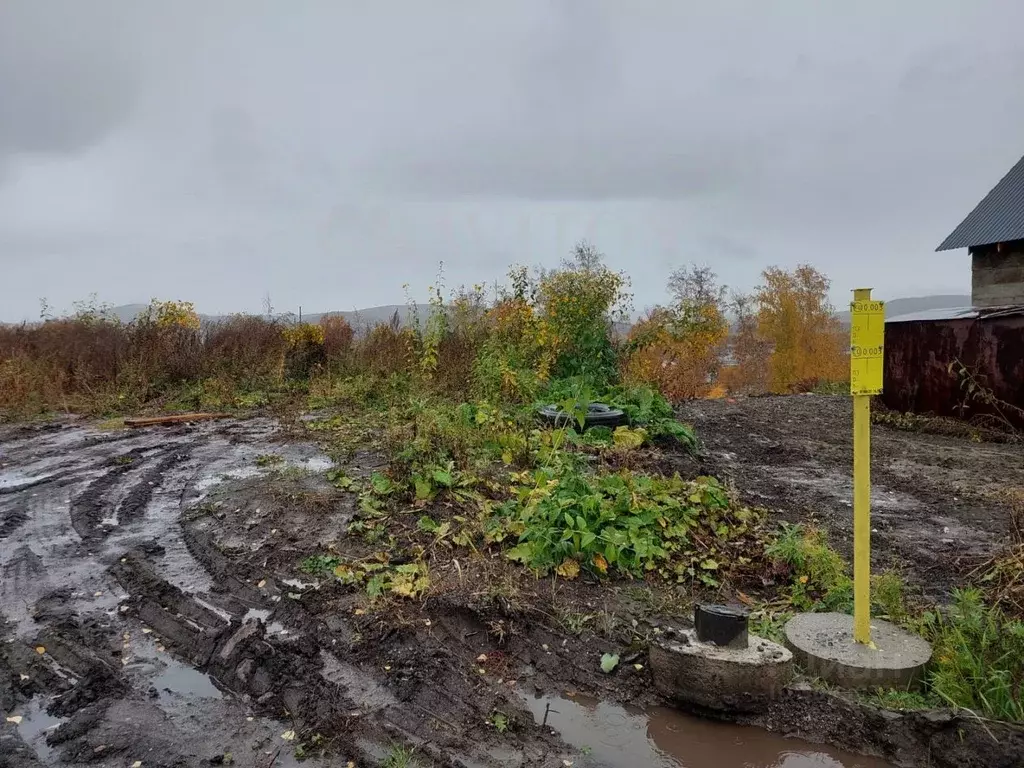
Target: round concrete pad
(822, 643)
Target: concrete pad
(698, 674)
(822, 643)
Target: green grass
(978, 658)
(399, 757)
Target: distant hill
(367, 318)
(896, 307)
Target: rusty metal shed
(989, 343)
(969, 361)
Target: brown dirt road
(939, 504)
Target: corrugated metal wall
(918, 354)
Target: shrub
(337, 339)
(578, 303)
(244, 347)
(305, 350)
(387, 348)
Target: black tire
(598, 415)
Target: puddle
(316, 464)
(665, 738)
(208, 481)
(181, 680)
(13, 480)
(170, 677)
(36, 725)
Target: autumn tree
(795, 317)
(749, 352)
(678, 348)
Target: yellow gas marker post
(867, 336)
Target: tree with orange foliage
(748, 371)
(677, 349)
(808, 346)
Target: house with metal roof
(969, 361)
(993, 234)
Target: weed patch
(978, 659)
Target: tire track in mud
(12, 520)
(119, 586)
(25, 568)
(88, 507)
(134, 504)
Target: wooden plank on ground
(173, 418)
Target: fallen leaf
(569, 569)
(16, 719)
(600, 563)
(745, 599)
(40, 649)
(288, 735)
(609, 662)
(359, 611)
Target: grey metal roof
(951, 313)
(999, 217)
(958, 313)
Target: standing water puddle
(665, 738)
(36, 725)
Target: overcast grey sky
(328, 152)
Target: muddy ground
(154, 610)
(940, 505)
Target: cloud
(329, 151)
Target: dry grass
(1002, 577)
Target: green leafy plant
(500, 721)
(319, 564)
(631, 523)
